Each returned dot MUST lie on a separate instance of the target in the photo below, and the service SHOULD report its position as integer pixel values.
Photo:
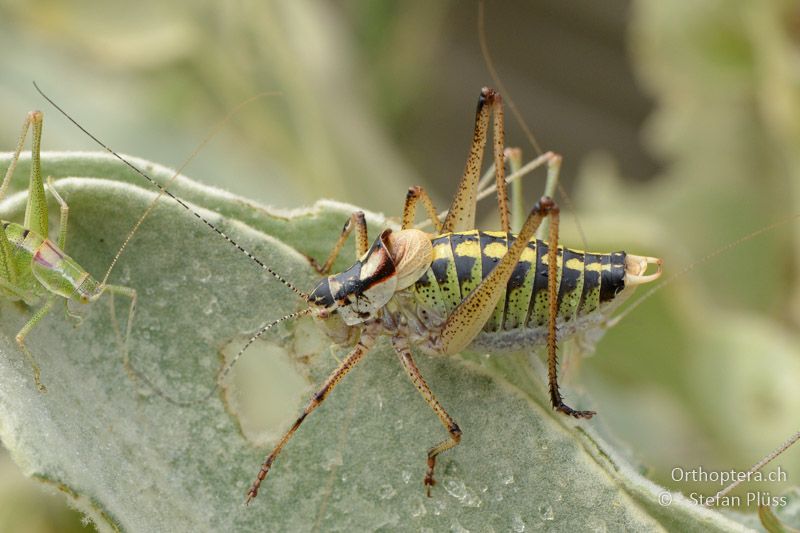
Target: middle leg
(20, 338)
(62, 237)
(414, 195)
(400, 345)
(129, 293)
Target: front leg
(356, 221)
(360, 350)
(129, 293)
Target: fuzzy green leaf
(135, 462)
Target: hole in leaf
(266, 390)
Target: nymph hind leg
(8, 279)
(36, 221)
(461, 215)
(35, 186)
(552, 333)
(467, 319)
(8, 267)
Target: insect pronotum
(458, 287)
(35, 270)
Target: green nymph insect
(456, 288)
(34, 269)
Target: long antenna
(223, 372)
(163, 190)
(487, 58)
(211, 134)
(706, 258)
(256, 336)
(755, 468)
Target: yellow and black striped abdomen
(461, 260)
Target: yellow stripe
(495, 250)
(441, 250)
(528, 255)
(469, 249)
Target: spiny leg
(41, 313)
(498, 148)
(8, 267)
(352, 359)
(414, 195)
(36, 208)
(514, 157)
(64, 214)
(461, 215)
(356, 221)
(400, 345)
(487, 186)
(553, 171)
(552, 333)
(30, 118)
(16, 292)
(466, 320)
(489, 178)
(551, 159)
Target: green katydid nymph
(35, 270)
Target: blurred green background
(679, 123)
